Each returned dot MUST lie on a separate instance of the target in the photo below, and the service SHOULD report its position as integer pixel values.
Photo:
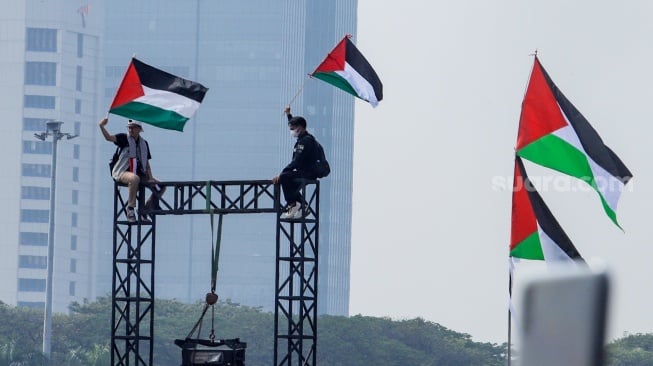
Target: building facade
(63, 60)
(51, 62)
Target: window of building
(32, 304)
(33, 261)
(80, 45)
(75, 197)
(36, 170)
(75, 174)
(40, 216)
(78, 106)
(40, 73)
(41, 40)
(73, 265)
(31, 285)
(78, 128)
(34, 124)
(71, 288)
(78, 79)
(76, 151)
(73, 219)
(34, 239)
(35, 193)
(73, 242)
(37, 147)
(39, 101)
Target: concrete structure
(51, 61)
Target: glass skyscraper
(254, 56)
(64, 60)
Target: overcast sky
(431, 219)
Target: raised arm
(286, 111)
(105, 133)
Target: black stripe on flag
(158, 79)
(545, 218)
(356, 60)
(589, 138)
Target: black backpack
(321, 168)
(114, 159)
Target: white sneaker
(291, 211)
(299, 214)
(131, 215)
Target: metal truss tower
(133, 299)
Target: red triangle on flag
(540, 113)
(524, 221)
(335, 60)
(130, 88)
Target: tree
(82, 337)
(631, 350)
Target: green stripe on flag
(337, 81)
(555, 153)
(152, 115)
(529, 248)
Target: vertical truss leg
(295, 323)
(132, 317)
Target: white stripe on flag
(552, 252)
(608, 186)
(362, 87)
(169, 101)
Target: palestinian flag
(535, 233)
(156, 97)
(554, 134)
(347, 69)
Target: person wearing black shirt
(299, 168)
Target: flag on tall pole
(535, 233)
(554, 134)
(83, 11)
(346, 68)
(156, 97)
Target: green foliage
(631, 350)
(83, 338)
(363, 340)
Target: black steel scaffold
(296, 274)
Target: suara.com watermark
(560, 183)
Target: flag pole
(298, 92)
(509, 319)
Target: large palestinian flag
(554, 134)
(156, 97)
(535, 233)
(347, 69)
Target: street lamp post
(53, 128)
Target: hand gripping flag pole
(346, 68)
